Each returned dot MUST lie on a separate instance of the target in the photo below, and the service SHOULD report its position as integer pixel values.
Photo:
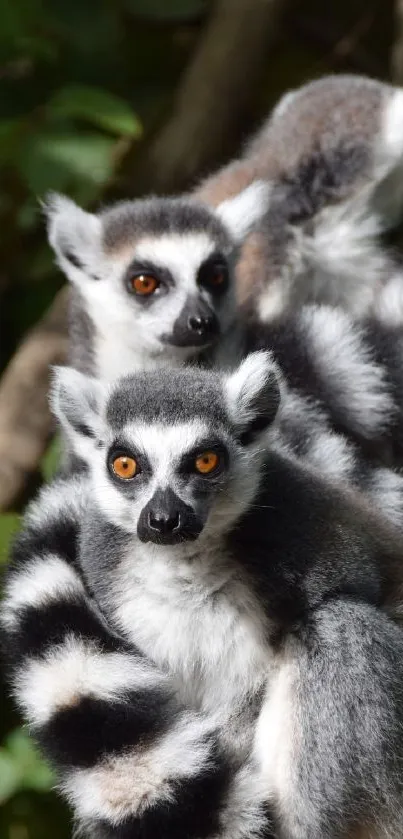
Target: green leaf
(9, 524)
(50, 462)
(10, 776)
(96, 106)
(60, 160)
(33, 772)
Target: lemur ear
(253, 395)
(76, 401)
(241, 213)
(75, 237)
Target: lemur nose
(164, 522)
(203, 324)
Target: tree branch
(25, 419)
(210, 104)
(215, 93)
(397, 51)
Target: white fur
(386, 491)
(284, 104)
(359, 381)
(74, 399)
(388, 160)
(241, 213)
(76, 669)
(126, 784)
(79, 232)
(391, 134)
(53, 500)
(243, 386)
(331, 454)
(274, 298)
(388, 304)
(343, 260)
(340, 262)
(276, 734)
(198, 619)
(243, 816)
(38, 584)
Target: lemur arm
(130, 760)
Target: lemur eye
(206, 462)
(125, 467)
(218, 276)
(144, 284)
(213, 275)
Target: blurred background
(103, 99)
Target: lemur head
(155, 273)
(171, 453)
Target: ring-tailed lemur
(312, 193)
(350, 370)
(131, 758)
(233, 568)
(152, 279)
(332, 152)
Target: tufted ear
(76, 401)
(75, 237)
(241, 213)
(252, 394)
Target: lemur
(299, 213)
(259, 590)
(153, 284)
(332, 153)
(170, 265)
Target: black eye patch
(187, 464)
(123, 448)
(147, 268)
(213, 274)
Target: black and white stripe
(336, 362)
(131, 761)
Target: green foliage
(97, 107)
(50, 462)
(21, 766)
(9, 525)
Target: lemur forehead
(168, 396)
(129, 221)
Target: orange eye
(218, 278)
(206, 462)
(144, 284)
(125, 467)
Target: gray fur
(128, 221)
(180, 396)
(290, 577)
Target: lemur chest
(206, 629)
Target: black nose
(203, 324)
(164, 522)
(167, 520)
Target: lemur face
(155, 274)
(171, 453)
